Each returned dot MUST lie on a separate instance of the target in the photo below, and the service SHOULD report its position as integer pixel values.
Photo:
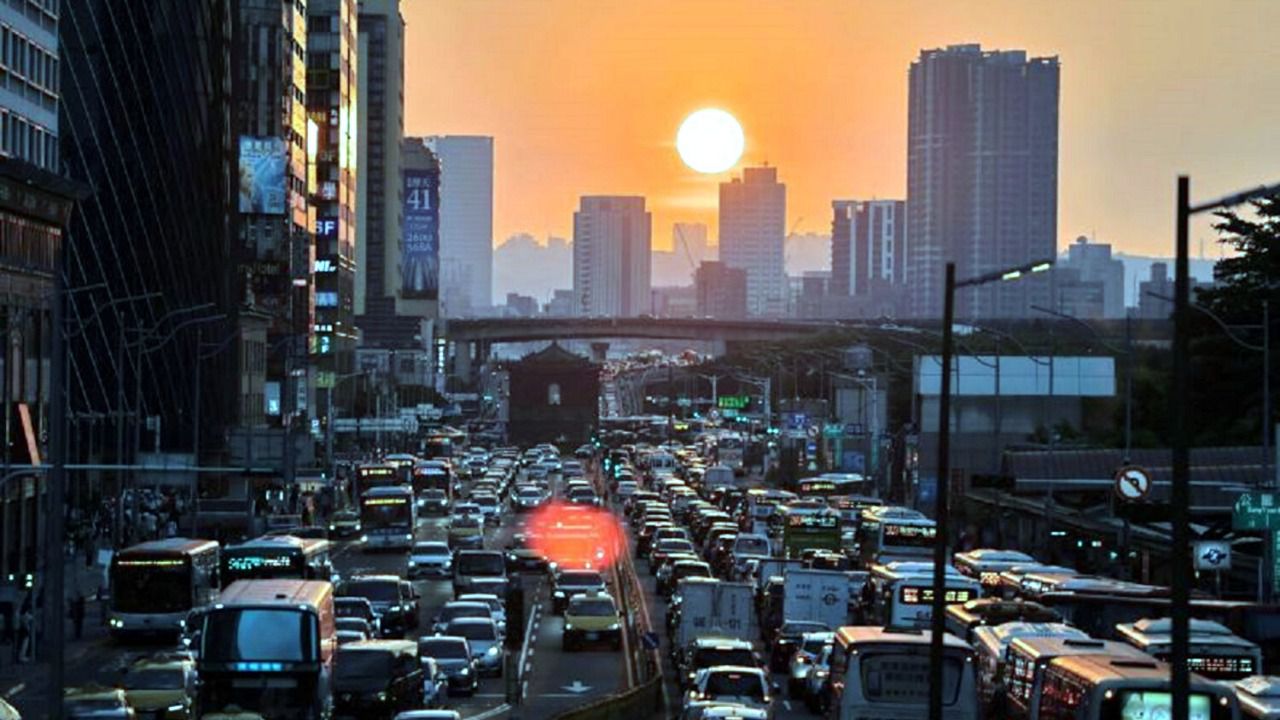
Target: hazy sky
(584, 97)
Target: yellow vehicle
(591, 618)
(161, 687)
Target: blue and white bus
(388, 515)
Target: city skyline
(1126, 127)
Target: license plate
(593, 636)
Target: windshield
(155, 679)
(442, 649)
(480, 564)
(710, 657)
(736, 684)
(469, 521)
(459, 611)
(529, 492)
(796, 629)
(433, 495)
(752, 545)
(430, 549)
(385, 512)
(350, 608)
(580, 579)
(259, 634)
(489, 501)
(364, 664)
(148, 587)
(675, 544)
(902, 678)
(373, 590)
(473, 630)
(813, 646)
(592, 608)
(692, 570)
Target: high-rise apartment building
(1094, 264)
(466, 223)
(982, 176)
(332, 62)
(753, 212)
(721, 291)
(867, 238)
(277, 220)
(611, 264)
(29, 88)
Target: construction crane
(693, 266)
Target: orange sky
(584, 97)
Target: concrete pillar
(599, 351)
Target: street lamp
(942, 511)
(1180, 495)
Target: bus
(991, 645)
(903, 592)
(888, 533)
(433, 475)
(986, 565)
(1102, 687)
(403, 463)
(268, 647)
(277, 556)
(1214, 652)
(879, 672)
(802, 531)
(438, 447)
(835, 485)
(1027, 657)
(370, 476)
(730, 449)
(389, 516)
(155, 584)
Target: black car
(522, 556)
(787, 641)
(377, 678)
(453, 656)
(392, 603)
(572, 582)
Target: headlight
(614, 626)
(465, 671)
(559, 594)
(568, 627)
(117, 623)
(332, 528)
(492, 651)
(382, 697)
(364, 538)
(177, 707)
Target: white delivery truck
(714, 608)
(816, 595)
(775, 567)
(718, 476)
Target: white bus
(1214, 651)
(730, 450)
(986, 565)
(1103, 687)
(885, 674)
(903, 592)
(389, 516)
(991, 645)
(155, 584)
(887, 533)
(1027, 657)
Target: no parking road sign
(1132, 483)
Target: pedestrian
(77, 614)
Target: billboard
(262, 175)
(420, 260)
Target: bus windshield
(260, 634)
(151, 586)
(903, 678)
(385, 512)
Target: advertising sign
(262, 170)
(420, 262)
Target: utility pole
(55, 499)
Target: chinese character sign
(262, 182)
(420, 261)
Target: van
(479, 571)
(377, 677)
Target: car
(483, 571)
(677, 568)
(458, 609)
(705, 652)
(734, 684)
(528, 497)
(787, 640)
(523, 555)
(665, 547)
(568, 583)
(810, 647)
(817, 686)
(410, 597)
(377, 677)
(357, 607)
(95, 702)
(345, 524)
(497, 608)
(712, 710)
(162, 687)
(485, 640)
(435, 683)
(490, 507)
(453, 657)
(346, 637)
(589, 618)
(466, 532)
(392, 604)
(434, 501)
(355, 625)
(430, 558)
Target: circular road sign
(1132, 483)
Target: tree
(1253, 272)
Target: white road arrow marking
(577, 687)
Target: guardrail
(642, 701)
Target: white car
(431, 558)
(732, 685)
(497, 608)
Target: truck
(715, 608)
(718, 476)
(774, 567)
(816, 595)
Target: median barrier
(642, 701)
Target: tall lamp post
(943, 510)
(1181, 491)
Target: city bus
(903, 592)
(1102, 687)
(887, 533)
(433, 475)
(155, 584)
(268, 647)
(1214, 651)
(730, 450)
(1027, 657)
(884, 673)
(986, 565)
(389, 516)
(371, 475)
(834, 485)
(277, 556)
(403, 463)
(803, 531)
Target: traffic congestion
(475, 581)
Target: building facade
(332, 64)
(753, 211)
(611, 256)
(466, 223)
(721, 291)
(867, 245)
(29, 82)
(1094, 265)
(982, 176)
(554, 397)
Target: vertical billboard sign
(262, 175)
(420, 260)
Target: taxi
(591, 618)
(161, 687)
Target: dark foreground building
(554, 397)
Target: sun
(710, 141)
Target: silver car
(431, 558)
(485, 640)
(802, 661)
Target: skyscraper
(611, 263)
(866, 245)
(29, 97)
(1095, 264)
(331, 103)
(466, 222)
(982, 176)
(721, 291)
(753, 211)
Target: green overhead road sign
(1256, 511)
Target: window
(553, 394)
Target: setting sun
(710, 141)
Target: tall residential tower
(466, 222)
(753, 211)
(611, 261)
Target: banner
(262, 170)
(420, 261)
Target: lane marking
(787, 704)
(491, 712)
